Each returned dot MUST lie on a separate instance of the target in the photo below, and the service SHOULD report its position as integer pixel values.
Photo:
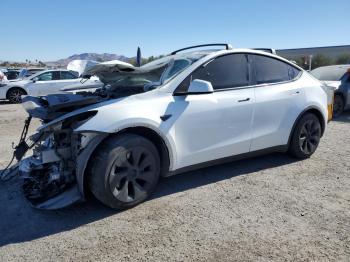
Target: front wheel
(15, 95)
(125, 171)
(306, 136)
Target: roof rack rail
(267, 50)
(227, 46)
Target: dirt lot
(267, 208)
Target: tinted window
(271, 70)
(67, 75)
(347, 77)
(45, 76)
(48, 76)
(225, 72)
(178, 66)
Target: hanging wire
(7, 173)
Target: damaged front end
(53, 175)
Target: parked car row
(338, 77)
(15, 73)
(45, 82)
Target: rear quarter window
(271, 70)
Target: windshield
(329, 73)
(25, 73)
(148, 76)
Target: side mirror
(198, 86)
(35, 79)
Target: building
(332, 52)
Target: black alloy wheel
(15, 95)
(124, 171)
(132, 174)
(306, 136)
(309, 137)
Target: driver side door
(43, 84)
(215, 125)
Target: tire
(14, 95)
(306, 136)
(124, 171)
(338, 105)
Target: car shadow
(345, 117)
(19, 222)
(4, 102)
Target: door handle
(244, 100)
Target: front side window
(45, 76)
(49, 76)
(271, 70)
(67, 75)
(223, 72)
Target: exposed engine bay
(60, 155)
(51, 170)
(53, 176)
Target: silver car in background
(338, 77)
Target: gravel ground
(267, 208)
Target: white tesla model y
(184, 111)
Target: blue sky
(49, 30)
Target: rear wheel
(15, 95)
(338, 106)
(125, 171)
(306, 136)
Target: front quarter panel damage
(53, 175)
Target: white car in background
(175, 114)
(336, 77)
(45, 83)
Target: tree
(321, 60)
(343, 59)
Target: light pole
(310, 62)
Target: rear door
(279, 97)
(216, 125)
(66, 78)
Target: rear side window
(271, 70)
(67, 75)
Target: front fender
(94, 125)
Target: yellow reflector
(330, 112)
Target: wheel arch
(146, 132)
(311, 109)
(15, 87)
(157, 140)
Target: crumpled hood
(52, 107)
(111, 71)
